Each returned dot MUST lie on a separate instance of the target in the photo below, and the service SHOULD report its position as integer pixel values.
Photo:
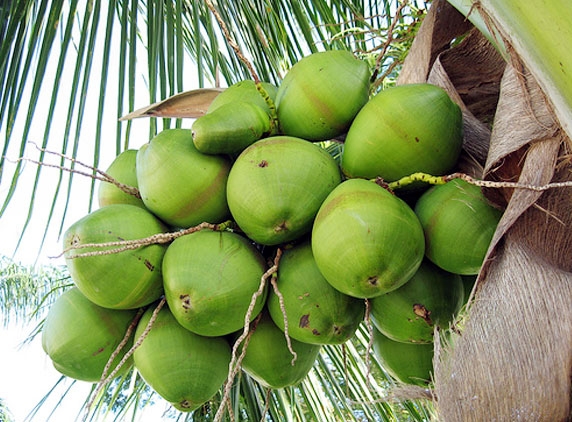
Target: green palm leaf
(156, 41)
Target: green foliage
(57, 60)
(5, 414)
(27, 292)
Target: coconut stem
(236, 360)
(234, 366)
(104, 380)
(516, 185)
(94, 174)
(273, 113)
(122, 344)
(126, 245)
(266, 404)
(274, 126)
(231, 42)
(283, 309)
(440, 180)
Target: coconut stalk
(510, 359)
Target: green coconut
(80, 336)
(459, 224)
(269, 361)
(316, 312)
(210, 278)
(321, 94)
(231, 128)
(365, 240)
(403, 130)
(184, 368)
(245, 91)
(119, 280)
(276, 187)
(179, 184)
(431, 298)
(123, 170)
(409, 363)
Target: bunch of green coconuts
(257, 159)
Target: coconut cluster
(255, 177)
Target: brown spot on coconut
(324, 314)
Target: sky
(26, 373)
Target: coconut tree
(59, 97)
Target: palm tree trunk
(512, 357)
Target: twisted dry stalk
(283, 309)
(94, 173)
(106, 378)
(226, 33)
(390, 38)
(121, 345)
(236, 359)
(155, 239)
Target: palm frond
(27, 292)
(74, 49)
(5, 414)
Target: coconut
(119, 280)
(230, 128)
(409, 363)
(276, 187)
(365, 240)
(182, 367)
(210, 278)
(316, 312)
(123, 170)
(179, 184)
(269, 361)
(80, 336)
(245, 91)
(459, 224)
(403, 130)
(431, 298)
(321, 94)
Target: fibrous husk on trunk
(512, 358)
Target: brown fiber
(512, 358)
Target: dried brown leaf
(513, 359)
(188, 104)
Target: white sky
(26, 373)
